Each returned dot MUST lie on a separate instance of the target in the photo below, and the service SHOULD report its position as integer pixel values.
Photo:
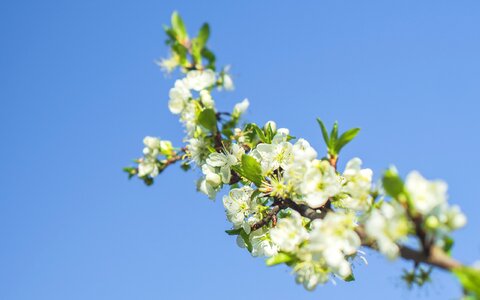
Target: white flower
(189, 117)
(289, 232)
(358, 183)
(228, 82)
(152, 142)
(319, 184)
(225, 161)
(168, 65)
(200, 80)
(207, 99)
(205, 187)
(179, 96)
(240, 108)
(388, 225)
(294, 173)
(425, 195)
(237, 205)
(333, 238)
(211, 176)
(310, 273)
(303, 151)
(262, 245)
(275, 155)
(148, 167)
(197, 150)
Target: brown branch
(271, 215)
(435, 257)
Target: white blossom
(388, 225)
(310, 274)
(334, 238)
(319, 184)
(357, 186)
(168, 64)
(425, 194)
(224, 161)
(274, 155)
(228, 82)
(207, 99)
(262, 244)
(240, 108)
(289, 232)
(237, 205)
(198, 150)
(179, 96)
(200, 80)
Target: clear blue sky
(79, 91)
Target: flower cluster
(285, 203)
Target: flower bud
(272, 125)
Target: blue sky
(80, 91)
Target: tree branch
(435, 257)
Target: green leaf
(208, 119)
(448, 245)
(252, 170)
(181, 51)
(325, 135)
(350, 278)
(234, 231)
(131, 171)
(245, 238)
(392, 183)
(334, 135)
(178, 26)
(254, 127)
(210, 57)
(469, 278)
(345, 138)
(280, 258)
(203, 36)
(170, 32)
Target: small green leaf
(208, 119)
(280, 258)
(350, 278)
(392, 183)
(326, 138)
(178, 26)
(448, 245)
(334, 135)
(170, 32)
(181, 51)
(131, 171)
(252, 170)
(210, 57)
(345, 138)
(245, 238)
(470, 279)
(234, 231)
(254, 127)
(203, 36)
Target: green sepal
(350, 278)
